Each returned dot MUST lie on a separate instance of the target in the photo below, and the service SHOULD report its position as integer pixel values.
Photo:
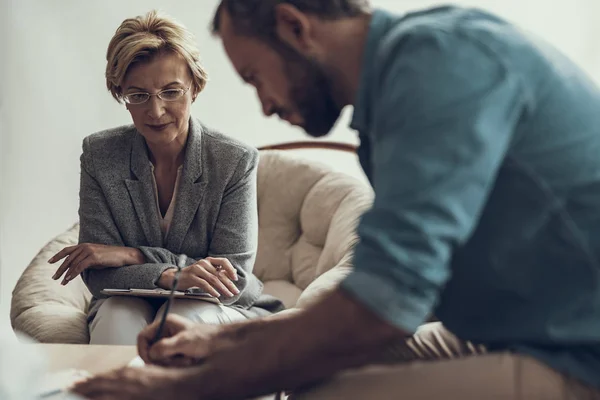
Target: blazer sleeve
(235, 236)
(97, 225)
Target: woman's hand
(213, 275)
(90, 255)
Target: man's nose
(268, 109)
(267, 106)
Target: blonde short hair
(141, 38)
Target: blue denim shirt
(482, 144)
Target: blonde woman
(163, 188)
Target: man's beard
(311, 92)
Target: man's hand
(90, 255)
(148, 383)
(184, 343)
(269, 354)
(214, 275)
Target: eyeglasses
(166, 95)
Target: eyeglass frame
(184, 91)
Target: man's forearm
(266, 355)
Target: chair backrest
(307, 217)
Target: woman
(163, 189)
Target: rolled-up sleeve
(444, 118)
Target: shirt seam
(561, 209)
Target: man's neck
(345, 41)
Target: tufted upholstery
(307, 217)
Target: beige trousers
(435, 364)
(120, 319)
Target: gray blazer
(215, 211)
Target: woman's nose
(156, 107)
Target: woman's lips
(158, 127)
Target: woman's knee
(126, 308)
(119, 320)
(203, 312)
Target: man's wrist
(191, 381)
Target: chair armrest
(35, 292)
(325, 283)
(53, 323)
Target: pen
(180, 265)
(50, 393)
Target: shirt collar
(377, 29)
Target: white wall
(3, 135)
(53, 94)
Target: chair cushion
(54, 323)
(285, 291)
(44, 309)
(324, 284)
(307, 217)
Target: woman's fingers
(225, 264)
(210, 274)
(62, 254)
(227, 282)
(203, 284)
(79, 264)
(224, 278)
(71, 255)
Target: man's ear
(293, 27)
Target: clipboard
(190, 294)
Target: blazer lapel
(190, 191)
(142, 192)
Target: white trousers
(119, 320)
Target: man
(483, 147)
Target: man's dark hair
(256, 18)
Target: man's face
(287, 83)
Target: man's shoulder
(434, 40)
(450, 19)
(436, 26)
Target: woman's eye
(171, 94)
(137, 96)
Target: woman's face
(160, 122)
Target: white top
(165, 222)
